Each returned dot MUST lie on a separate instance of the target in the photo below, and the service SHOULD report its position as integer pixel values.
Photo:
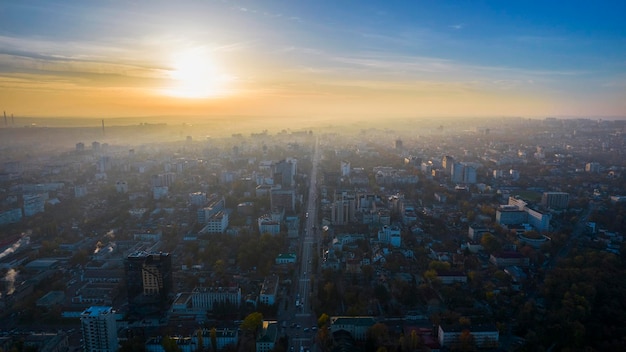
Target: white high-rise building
(99, 329)
(345, 168)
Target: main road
(304, 316)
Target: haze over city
(312, 176)
(314, 59)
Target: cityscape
(312, 176)
(490, 236)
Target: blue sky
(435, 58)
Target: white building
(268, 225)
(345, 168)
(205, 297)
(121, 187)
(99, 329)
(217, 223)
(391, 235)
(485, 336)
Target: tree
(323, 320)
(169, 344)
(252, 323)
(200, 340)
(214, 339)
(490, 243)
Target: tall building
(148, 281)
(343, 209)
(99, 329)
(447, 163)
(285, 172)
(345, 168)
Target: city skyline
(281, 58)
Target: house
(286, 258)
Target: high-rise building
(447, 163)
(344, 208)
(99, 329)
(345, 168)
(148, 281)
(285, 172)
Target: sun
(194, 75)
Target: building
(268, 225)
(267, 338)
(45, 342)
(159, 192)
(223, 337)
(148, 281)
(510, 215)
(286, 258)
(592, 167)
(197, 198)
(218, 223)
(163, 180)
(555, 200)
(484, 336)
(539, 220)
(283, 199)
(121, 187)
(10, 216)
(285, 172)
(391, 235)
(205, 298)
(451, 277)
(356, 326)
(99, 329)
(475, 232)
(80, 191)
(33, 204)
(345, 168)
(447, 162)
(269, 290)
(344, 208)
(505, 259)
(215, 205)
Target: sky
(122, 58)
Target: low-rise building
(267, 338)
(484, 336)
(356, 326)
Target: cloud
(457, 26)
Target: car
(314, 328)
(306, 329)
